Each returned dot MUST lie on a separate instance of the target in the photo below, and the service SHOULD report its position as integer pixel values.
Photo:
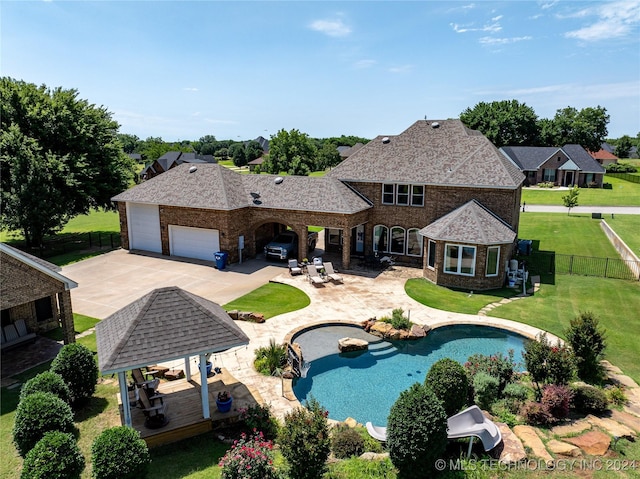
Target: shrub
(588, 343)
(556, 400)
(37, 414)
(304, 440)
(615, 395)
(416, 431)
(55, 456)
(548, 364)
(496, 365)
(502, 411)
(78, 368)
(258, 418)
(268, 359)
(620, 168)
(249, 458)
(588, 399)
(346, 442)
(119, 453)
(448, 381)
(514, 396)
(534, 413)
(398, 320)
(486, 390)
(47, 382)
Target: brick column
(66, 317)
(346, 247)
(303, 239)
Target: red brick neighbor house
(438, 196)
(566, 166)
(34, 297)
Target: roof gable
(39, 264)
(165, 324)
(471, 223)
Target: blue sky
(236, 70)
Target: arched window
(397, 240)
(381, 239)
(414, 242)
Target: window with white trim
(397, 240)
(402, 195)
(417, 195)
(493, 260)
(431, 254)
(414, 242)
(381, 239)
(388, 193)
(460, 259)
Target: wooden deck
(184, 408)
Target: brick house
(566, 166)
(172, 159)
(382, 199)
(34, 291)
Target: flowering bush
(249, 458)
(548, 363)
(499, 366)
(556, 400)
(259, 418)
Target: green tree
(623, 147)
(587, 340)
(120, 453)
(292, 152)
(586, 127)
(253, 150)
(448, 381)
(59, 157)
(237, 152)
(206, 145)
(506, 122)
(570, 200)
(328, 156)
(77, 367)
(130, 143)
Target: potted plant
(224, 401)
(209, 364)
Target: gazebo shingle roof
(165, 324)
(471, 223)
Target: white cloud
(503, 41)
(401, 69)
(332, 28)
(569, 92)
(547, 5)
(190, 89)
(491, 27)
(611, 20)
(495, 19)
(362, 64)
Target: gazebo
(164, 325)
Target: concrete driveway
(108, 282)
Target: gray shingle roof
(449, 154)
(531, 158)
(213, 186)
(471, 223)
(163, 325)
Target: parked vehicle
(285, 245)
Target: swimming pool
(364, 385)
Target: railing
(55, 246)
(551, 263)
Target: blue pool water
(364, 385)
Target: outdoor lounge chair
(328, 267)
(153, 408)
(377, 432)
(294, 267)
(149, 384)
(472, 423)
(313, 275)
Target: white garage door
(197, 243)
(144, 227)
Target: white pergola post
(187, 367)
(124, 398)
(204, 387)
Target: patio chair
(313, 275)
(472, 423)
(377, 432)
(294, 267)
(153, 408)
(150, 384)
(333, 276)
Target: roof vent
(435, 124)
(255, 194)
(193, 169)
(278, 180)
(385, 140)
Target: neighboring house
(137, 157)
(565, 166)
(438, 195)
(172, 159)
(34, 291)
(257, 162)
(347, 151)
(263, 142)
(604, 157)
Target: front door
(568, 178)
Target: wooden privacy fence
(552, 263)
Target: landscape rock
(233, 313)
(374, 456)
(380, 329)
(629, 420)
(611, 426)
(511, 451)
(563, 448)
(418, 331)
(574, 427)
(595, 443)
(530, 439)
(350, 422)
(346, 345)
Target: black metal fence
(626, 177)
(69, 243)
(551, 263)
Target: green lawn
(271, 300)
(628, 228)
(622, 193)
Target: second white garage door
(197, 243)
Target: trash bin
(221, 259)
